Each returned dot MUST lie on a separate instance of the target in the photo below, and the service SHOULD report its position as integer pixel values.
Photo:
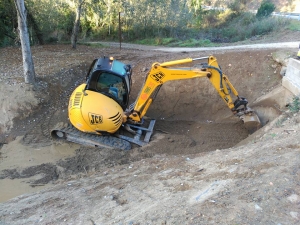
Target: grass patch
(196, 43)
(294, 25)
(294, 106)
(96, 45)
(279, 122)
(172, 42)
(156, 41)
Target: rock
(294, 215)
(283, 71)
(257, 207)
(294, 198)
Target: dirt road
(193, 172)
(277, 45)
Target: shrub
(238, 6)
(294, 107)
(294, 25)
(265, 10)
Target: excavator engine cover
(93, 112)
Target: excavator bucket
(251, 122)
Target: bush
(238, 6)
(265, 10)
(263, 27)
(52, 40)
(244, 26)
(294, 25)
(294, 107)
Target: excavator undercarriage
(128, 134)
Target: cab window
(114, 85)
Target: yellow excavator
(99, 112)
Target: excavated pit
(190, 108)
(191, 114)
(198, 120)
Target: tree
(8, 23)
(76, 23)
(238, 6)
(29, 73)
(266, 8)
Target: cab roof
(110, 64)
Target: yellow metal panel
(94, 112)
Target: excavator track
(68, 132)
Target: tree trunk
(29, 73)
(76, 24)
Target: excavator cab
(111, 78)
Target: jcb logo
(95, 119)
(157, 76)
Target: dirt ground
(201, 167)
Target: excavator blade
(251, 122)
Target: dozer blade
(147, 132)
(251, 122)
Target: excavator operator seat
(114, 91)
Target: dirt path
(191, 173)
(276, 45)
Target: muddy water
(17, 156)
(12, 188)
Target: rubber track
(76, 136)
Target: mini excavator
(99, 112)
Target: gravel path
(293, 45)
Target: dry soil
(201, 167)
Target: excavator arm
(168, 71)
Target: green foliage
(168, 22)
(294, 25)
(265, 10)
(294, 106)
(195, 43)
(280, 121)
(172, 42)
(8, 23)
(140, 19)
(238, 6)
(211, 18)
(55, 18)
(244, 26)
(95, 45)
(157, 41)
